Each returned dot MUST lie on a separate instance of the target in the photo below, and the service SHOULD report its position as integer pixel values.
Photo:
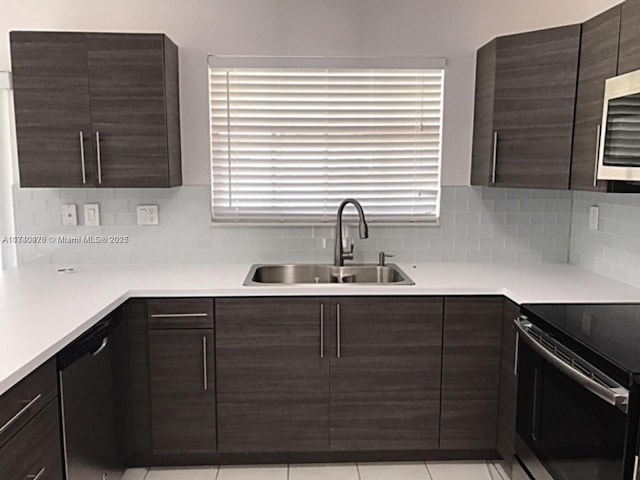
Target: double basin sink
(304, 274)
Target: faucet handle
(382, 256)
(348, 255)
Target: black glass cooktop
(611, 331)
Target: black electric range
(578, 406)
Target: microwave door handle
(618, 397)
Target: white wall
(452, 28)
(7, 250)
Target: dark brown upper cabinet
(96, 109)
(598, 61)
(524, 109)
(629, 53)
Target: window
(288, 144)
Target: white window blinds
(289, 144)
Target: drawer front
(34, 452)
(180, 313)
(27, 398)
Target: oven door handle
(618, 397)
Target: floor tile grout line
(217, 472)
(358, 471)
(426, 467)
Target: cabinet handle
(322, 330)
(37, 476)
(204, 362)
(24, 410)
(494, 162)
(99, 159)
(178, 315)
(338, 330)
(517, 354)
(84, 171)
(595, 169)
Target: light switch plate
(147, 214)
(594, 213)
(69, 215)
(92, 215)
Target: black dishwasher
(91, 444)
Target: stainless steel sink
(302, 274)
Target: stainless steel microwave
(619, 144)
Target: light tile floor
(347, 471)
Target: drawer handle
(24, 410)
(37, 476)
(178, 315)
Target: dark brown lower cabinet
(183, 415)
(385, 373)
(35, 450)
(470, 372)
(508, 384)
(273, 375)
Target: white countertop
(42, 311)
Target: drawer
(35, 451)
(180, 313)
(24, 400)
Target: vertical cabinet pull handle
(517, 354)
(98, 157)
(338, 331)
(37, 476)
(204, 363)
(494, 162)
(321, 330)
(84, 171)
(595, 168)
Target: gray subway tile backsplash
(477, 225)
(613, 249)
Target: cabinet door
(51, 95)
(629, 53)
(598, 61)
(483, 133)
(385, 373)
(535, 89)
(273, 375)
(128, 112)
(470, 372)
(35, 451)
(183, 415)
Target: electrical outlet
(594, 213)
(147, 214)
(69, 215)
(92, 215)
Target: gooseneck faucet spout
(339, 256)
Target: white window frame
(383, 63)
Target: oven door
(571, 421)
